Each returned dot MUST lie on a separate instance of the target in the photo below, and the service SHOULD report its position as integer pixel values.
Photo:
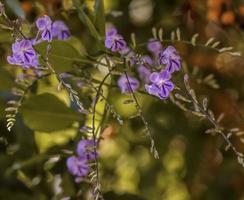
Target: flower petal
(154, 77)
(165, 75)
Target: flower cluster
(145, 68)
(79, 166)
(23, 54)
(157, 83)
(160, 85)
(23, 51)
(44, 25)
(49, 29)
(116, 43)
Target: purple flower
(44, 24)
(111, 31)
(125, 51)
(154, 46)
(126, 86)
(170, 58)
(161, 85)
(131, 57)
(147, 59)
(60, 30)
(114, 41)
(23, 54)
(144, 73)
(78, 167)
(85, 149)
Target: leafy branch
(24, 85)
(211, 43)
(201, 110)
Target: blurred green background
(192, 165)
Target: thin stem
(184, 42)
(153, 148)
(95, 143)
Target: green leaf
(15, 6)
(86, 20)
(5, 36)
(61, 56)
(6, 80)
(99, 17)
(47, 140)
(47, 113)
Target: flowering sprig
(49, 29)
(44, 25)
(24, 52)
(156, 72)
(79, 165)
(160, 86)
(201, 110)
(159, 83)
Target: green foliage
(61, 56)
(5, 36)
(6, 80)
(47, 113)
(99, 17)
(87, 21)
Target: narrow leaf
(99, 17)
(210, 40)
(215, 44)
(160, 34)
(86, 20)
(178, 33)
(154, 32)
(194, 38)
